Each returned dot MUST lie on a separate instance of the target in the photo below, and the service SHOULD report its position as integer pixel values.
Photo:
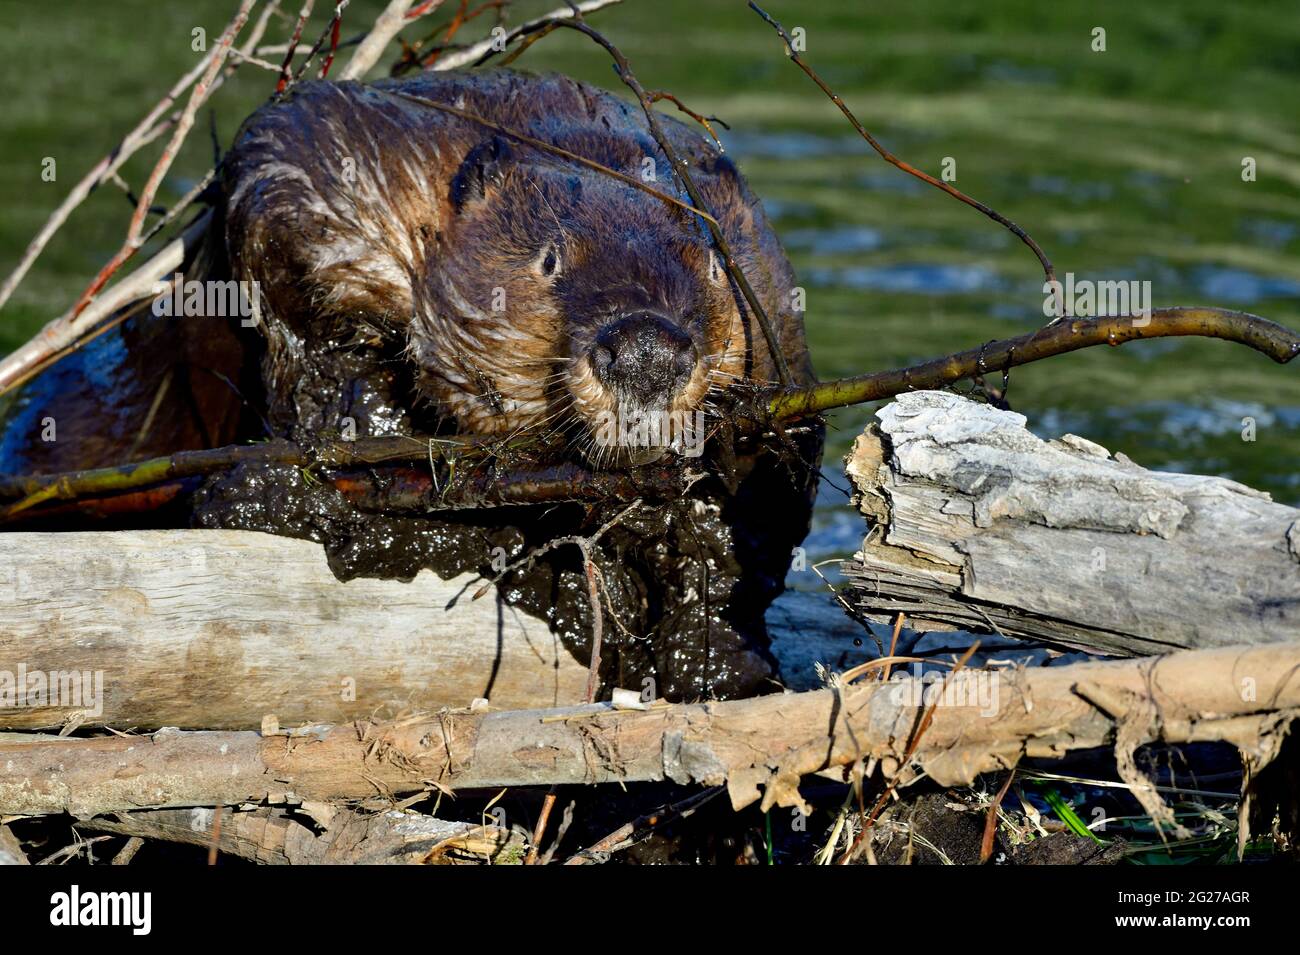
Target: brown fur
(364, 215)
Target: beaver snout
(644, 356)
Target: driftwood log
(759, 748)
(215, 629)
(977, 524)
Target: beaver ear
(483, 164)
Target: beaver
(524, 287)
(425, 270)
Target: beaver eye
(548, 263)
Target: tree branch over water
(1276, 341)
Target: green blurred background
(1124, 164)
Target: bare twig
(128, 851)
(75, 849)
(463, 16)
(912, 744)
(566, 820)
(147, 130)
(328, 33)
(1276, 341)
(387, 26)
(626, 835)
(539, 831)
(335, 25)
(63, 333)
(474, 54)
(890, 158)
(991, 821)
(202, 89)
(285, 75)
(656, 96)
(471, 487)
(597, 620)
(106, 170)
(893, 643)
(214, 837)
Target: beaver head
(563, 298)
(531, 292)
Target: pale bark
(217, 629)
(758, 748)
(976, 524)
(211, 629)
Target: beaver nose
(645, 355)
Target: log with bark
(977, 721)
(976, 524)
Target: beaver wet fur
(527, 289)
(421, 272)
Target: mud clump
(684, 583)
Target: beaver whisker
(543, 361)
(537, 424)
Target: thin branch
(335, 25)
(1274, 340)
(890, 158)
(539, 830)
(626, 835)
(487, 47)
(463, 16)
(68, 332)
(144, 133)
(568, 482)
(327, 34)
(285, 76)
(64, 333)
(707, 122)
(912, 744)
(216, 59)
(373, 489)
(395, 16)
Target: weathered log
(759, 748)
(275, 837)
(216, 629)
(976, 524)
